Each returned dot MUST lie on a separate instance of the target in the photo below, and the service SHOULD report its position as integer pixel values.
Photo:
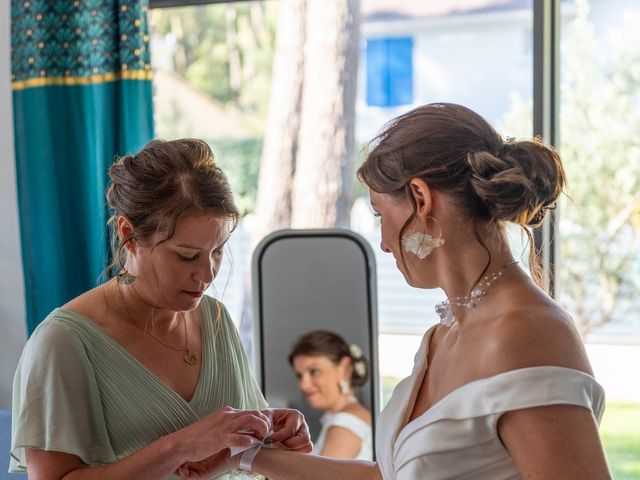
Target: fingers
(248, 422)
(290, 430)
(287, 423)
(300, 442)
(242, 440)
(189, 470)
(252, 424)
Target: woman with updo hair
(501, 387)
(328, 370)
(144, 377)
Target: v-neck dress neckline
(77, 390)
(141, 367)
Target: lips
(196, 294)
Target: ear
(125, 230)
(345, 366)
(423, 197)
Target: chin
(315, 404)
(410, 280)
(183, 305)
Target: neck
(343, 402)
(468, 263)
(133, 307)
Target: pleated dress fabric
(458, 436)
(76, 390)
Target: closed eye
(187, 258)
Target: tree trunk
(233, 50)
(306, 166)
(277, 165)
(323, 184)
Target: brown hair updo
(456, 151)
(332, 346)
(163, 182)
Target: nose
(304, 383)
(206, 271)
(383, 248)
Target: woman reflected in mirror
(328, 370)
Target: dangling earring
(345, 386)
(125, 278)
(422, 244)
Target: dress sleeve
(56, 401)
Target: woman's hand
(226, 427)
(289, 429)
(210, 467)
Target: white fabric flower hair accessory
(355, 351)
(359, 365)
(421, 244)
(360, 368)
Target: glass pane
(212, 73)
(480, 57)
(599, 270)
(213, 76)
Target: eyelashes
(185, 258)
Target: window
(389, 71)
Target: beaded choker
(444, 310)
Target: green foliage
(240, 160)
(621, 439)
(600, 147)
(209, 39)
(388, 384)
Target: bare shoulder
(91, 304)
(358, 410)
(534, 333)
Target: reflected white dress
(354, 424)
(457, 437)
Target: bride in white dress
(502, 387)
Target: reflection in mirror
(304, 281)
(329, 372)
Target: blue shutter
(400, 71)
(390, 71)
(377, 78)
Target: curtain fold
(82, 94)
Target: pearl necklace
(444, 310)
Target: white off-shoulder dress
(458, 437)
(354, 424)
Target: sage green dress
(76, 390)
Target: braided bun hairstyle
(454, 150)
(332, 346)
(520, 183)
(160, 184)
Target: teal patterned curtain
(81, 81)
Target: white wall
(475, 60)
(12, 305)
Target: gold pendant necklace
(189, 358)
